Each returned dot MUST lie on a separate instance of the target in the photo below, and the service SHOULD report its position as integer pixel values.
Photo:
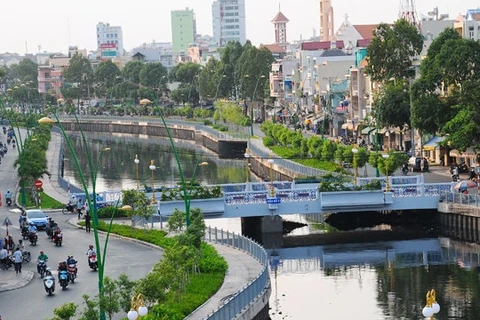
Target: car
(415, 163)
(38, 217)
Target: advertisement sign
(104, 46)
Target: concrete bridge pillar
(266, 230)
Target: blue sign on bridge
(273, 200)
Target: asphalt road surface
(31, 301)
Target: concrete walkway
(242, 268)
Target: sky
(53, 25)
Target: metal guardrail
(256, 149)
(471, 200)
(241, 299)
(197, 126)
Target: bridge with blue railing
(284, 198)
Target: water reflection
(382, 280)
(117, 166)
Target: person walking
(18, 257)
(79, 208)
(87, 222)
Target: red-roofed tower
(280, 25)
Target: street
(31, 301)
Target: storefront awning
(433, 143)
(347, 126)
(469, 153)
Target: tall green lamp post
(187, 193)
(92, 202)
(253, 99)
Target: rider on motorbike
(41, 257)
(8, 195)
(91, 251)
(32, 230)
(71, 260)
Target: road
(31, 301)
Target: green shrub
(268, 142)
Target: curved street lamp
(253, 99)
(386, 156)
(247, 164)
(355, 165)
(152, 167)
(272, 187)
(137, 161)
(432, 307)
(92, 203)
(137, 307)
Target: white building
(109, 41)
(228, 19)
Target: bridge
(284, 198)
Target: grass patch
(200, 287)
(293, 154)
(47, 202)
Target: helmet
(90, 246)
(20, 241)
(31, 223)
(41, 251)
(70, 256)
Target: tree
(91, 311)
(65, 312)
(79, 77)
(153, 75)
(131, 71)
(207, 81)
(392, 49)
(395, 104)
(110, 300)
(184, 72)
(106, 76)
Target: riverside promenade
(242, 267)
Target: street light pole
(137, 161)
(152, 167)
(355, 165)
(377, 141)
(92, 203)
(386, 156)
(253, 99)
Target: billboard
(109, 50)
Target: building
(154, 52)
(468, 25)
(280, 25)
(109, 41)
(184, 29)
(228, 20)
(326, 20)
(50, 80)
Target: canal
(385, 278)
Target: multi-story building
(468, 26)
(109, 41)
(280, 25)
(228, 19)
(184, 29)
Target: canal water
(382, 279)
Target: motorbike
(25, 233)
(42, 267)
(49, 284)
(7, 263)
(63, 278)
(69, 208)
(405, 170)
(8, 201)
(26, 256)
(92, 261)
(455, 178)
(58, 238)
(72, 272)
(33, 237)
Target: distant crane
(408, 12)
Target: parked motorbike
(49, 284)
(72, 272)
(92, 262)
(69, 208)
(42, 267)
(26, 256)
(6, 263)
(58, 238)
(33, 237)
(63, 278)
